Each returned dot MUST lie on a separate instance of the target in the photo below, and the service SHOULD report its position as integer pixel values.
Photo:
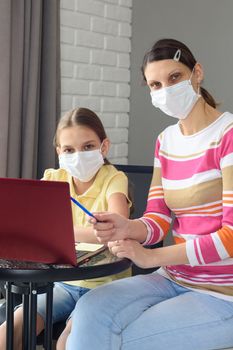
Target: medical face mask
(82, 165)
(176, 100)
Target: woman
(188, 302)
(82, 147)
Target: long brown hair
(84, 117)
(165, 49)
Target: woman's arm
(112, 227)
(117, 203)
(147, 258)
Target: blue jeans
(65, 297)
(150, 312)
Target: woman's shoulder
(225, 120)
(169, 131)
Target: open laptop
(36, 222)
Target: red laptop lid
(36, 221)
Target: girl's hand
(134, 251)
(110, 226)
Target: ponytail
(208, 98)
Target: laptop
(85, 251)
(36, 222)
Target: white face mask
(82, 165)
(176, 100)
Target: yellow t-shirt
(108, 181)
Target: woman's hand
(134, 251)
(110, 226)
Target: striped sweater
(193, 183)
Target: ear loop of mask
(100, 149)
(199, 84)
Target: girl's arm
(118, 203)
(85, 234)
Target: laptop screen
(36, 221)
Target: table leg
(25, 321)
(32, 316)
(9, 318)
(49, 314)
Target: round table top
(100, 265)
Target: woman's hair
(166, 49)
(84, 117)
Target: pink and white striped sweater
(193, 179)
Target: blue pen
(82, 207)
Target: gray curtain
(29, 85)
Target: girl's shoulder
(109, 174)
(55, 175)
(110, 170)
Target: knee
(94, 300)
(94, 305)
(3, 336)
(39, 324)
(61, 342)
(87, 300)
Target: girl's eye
(68, 150)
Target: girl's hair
(84, 117)
(87, 118)
(165, 49)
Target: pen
(82, 207)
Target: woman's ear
(199, 73)
(105, 147)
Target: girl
(82, 146)
(188, 302)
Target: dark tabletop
(100, 265)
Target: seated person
(82, 146)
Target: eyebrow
(177, 70)
(65, 146)
(174, 71)
(89, 141)
(84, 143)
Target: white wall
(95, 64)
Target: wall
(206, 27)
(95, 64)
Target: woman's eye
(88, 147)
(175, 76)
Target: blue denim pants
(150, 312)
(65, 297)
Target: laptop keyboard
(80, 253)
